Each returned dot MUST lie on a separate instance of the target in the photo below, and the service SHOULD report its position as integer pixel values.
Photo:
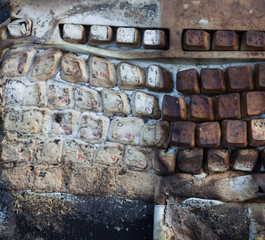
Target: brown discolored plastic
(227, 106)
(212, 81)
(188, 81)
(252, 103)
(225, 40)
(200, 108)
(262, 156)
(173, 108)
(253, 40)
(196, 40)
(208, 135)
(183, 134)
(216, 160)
(190, 161)
(239, 79)
(259, 76)
(234, 133)
(245, 160)
(256, 132)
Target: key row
(125, 36)
(98, 71)
(196, 160)
(203, 108)
(231, 133)
(59, 95)
(223, 40)
(214, 81)
(86, 126)
(97, 34)
(54, 151)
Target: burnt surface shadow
(64, 216)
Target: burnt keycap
(239, 79)
(188, 81)
(244, 159)
(183, 134)
(259, 76)
(252, 103)
(217, 160)
(200, 108)
(212, 81)
(196, 40)
(225, 40)
(262, 156)
(208, 135)
(173, 108)
(190, 161)
(227, 106)
(256, 132)
(253, 40)
(234, 133)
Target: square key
(227, 106)
(46, 65)
(102, 72)
(125, 130)
(128, 37)
(130, 76)
(145, 105)
(225, 41)
(190, 161)
(200, 108)
(234, 133)
(212, 81)
(239, 79)
(196, 40)
(173, 108)
(208, 135)
(159, 79)
(100, 35)
(216, 160)
(244, 160)
(155, 39)
(17, 62)
(183, 134)
(259, 76)
(19, 27)
(253, 41)
(188, 81)
(74, 33)
(73, 68)
(256, 132)
(252, 103)
(115, 103)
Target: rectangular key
(225, 41)
(74, 33)
(100, 35)
(155, 39)
(253, 41)
(128, 37)
(196, 40)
